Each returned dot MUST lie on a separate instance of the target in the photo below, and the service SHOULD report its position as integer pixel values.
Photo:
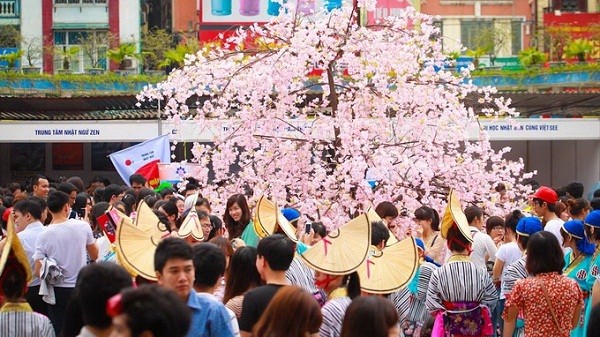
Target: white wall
(31, 27)
(558, 162)
(87, 13)
(129, 18)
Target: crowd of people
(69, 268)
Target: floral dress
(564, 294)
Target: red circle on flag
(128, 162)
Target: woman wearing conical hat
(460, 294)
(410, 301)
(16, 316)
(335, 260)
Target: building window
(83, 49)
(470, 32)
(516, 31)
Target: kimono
(410, 301)
(461, 296)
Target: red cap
(546, 194)
(6, 214)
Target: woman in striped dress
(410, 301)
(460, 295)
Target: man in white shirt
(544, 206)
(66, 241)
(27, 214)
(483, 246)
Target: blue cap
(529, 225)
(593, 219)
(575, 229)
(290, 214)
(420, 243)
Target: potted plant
(93, 46)
(476, 54)
(174, 57)
(580, 49)
(121, 54)
(33, 53)
(11, 59)
(67, 55)
(531, 57)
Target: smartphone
(307, 227)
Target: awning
(79, 25)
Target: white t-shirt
(553, 226)
(28, 238)
(507, 253)
(66, 243)
(482, 245)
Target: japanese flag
(143, 159)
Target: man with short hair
(137, 182)
(173, 262)
(274, 256)
(112, 193)
(39, 187)
(96, 284)
(574, 189)
(27, 215)
(209, 263)
(544, 206)
(71, 191)
(380, 234)
(77, 182)
(65, 241)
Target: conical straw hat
(265, 218)
(386, 271)
(136, 242)
(191, 226)
(373, 216)
(454, 216)
(342, 250)
(286, 226)
(268, 217)
(13, 251)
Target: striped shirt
(460, 281)
(411, 307)
(516, 271)
(300, 275)
(18, 320)
(333, 315)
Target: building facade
(72, 35)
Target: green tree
(155, 44)
(531, 57)
(579, 48)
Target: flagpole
(159, 120)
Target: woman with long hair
(551, 302)
(293, 312)
(240, 276)
(238, 220)
(370, 316)
(578, 262)
(428, 230)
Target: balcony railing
(9, 9)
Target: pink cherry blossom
(313, 103)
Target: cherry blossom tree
(332, 117)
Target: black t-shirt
(255, 303)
